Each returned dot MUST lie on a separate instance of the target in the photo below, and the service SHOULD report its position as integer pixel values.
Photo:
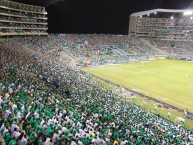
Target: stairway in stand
(160, 51)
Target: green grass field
(165, 80)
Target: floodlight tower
(188, 13)
(190, 6)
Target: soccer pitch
(169, 81)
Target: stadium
(87, 88)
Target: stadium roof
(161, 10)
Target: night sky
(101, 16)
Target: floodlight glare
(155, 13)
(186, 13)
(148, 14)
(172, 17)
(191, 18)
(140, 16)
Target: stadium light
(191, 18)
(155, 13)
(140, 16)
(172, 17)
(147, 14)
(186, 13)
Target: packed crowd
(179, 48)
(101, 49)
(178, 28)
(20, 19)
(46, 100)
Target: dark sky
(100, 16)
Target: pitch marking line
(112, 80)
